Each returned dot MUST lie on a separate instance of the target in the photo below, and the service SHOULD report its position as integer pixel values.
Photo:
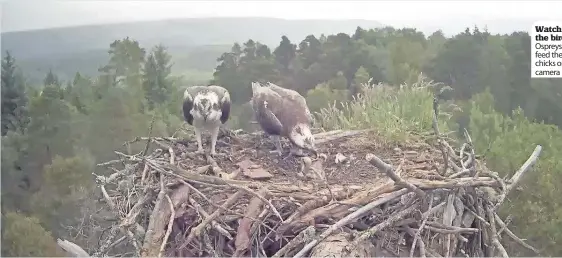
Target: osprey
(283, 113)
(206, 108)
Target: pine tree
(14, 99)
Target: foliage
(397, 113)
(509, 139)
(14, 98)
(24, 237)
(65, 182)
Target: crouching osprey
(206, 108)
(283, 113)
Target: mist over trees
(53, 134)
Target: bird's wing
(266, 113)
(186, 107)
(289, 94)
(293, 96)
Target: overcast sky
(37, 14)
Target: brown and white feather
(282, 113)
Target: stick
(149, 133)
(155, 227)
(196, 231)
(347, 219)
(72, 248)
(513, 236)
(170, 225)
(435, 126)
(519, 174)
(377, 162)
(391, 220)
(418, 233)
(242, 241)
(303, 236)
(494, 233)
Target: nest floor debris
(359, 197)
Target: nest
(359, 197)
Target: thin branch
(377, 162)
(170, 225)
(519, 174)
(513, 236)
(347, 219)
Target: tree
(24, 236)
(51, 79)
(156, 72)
(153, 92)
(359, 33)
(361, 77)
(50, 133)
(124, 68)
(285, 53)
(14, 99)
(65, 182)
(310, 51)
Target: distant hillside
(84, 48)
(177, 32)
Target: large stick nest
(360, 197)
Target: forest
(54, 134)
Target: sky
(18, 15)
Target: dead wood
(167, 201)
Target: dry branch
(72, 248)
(519, 173)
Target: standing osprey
(206, 108)
(283, 113)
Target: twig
(418, 233)
(377, 162)
(116, 243)
(347, 219)
(435, 126)
(242, 241)
(513, 236)
(72, 248)
(172, 156)
(305, 235)
(478, 217)
(519, 174)
(144, 173)
(154, 231)
(149, 133)
(472, 157)
(215, 225)
(170, 225)
(391, 220)
(196, 231)
(494, 233)
(107, 244)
